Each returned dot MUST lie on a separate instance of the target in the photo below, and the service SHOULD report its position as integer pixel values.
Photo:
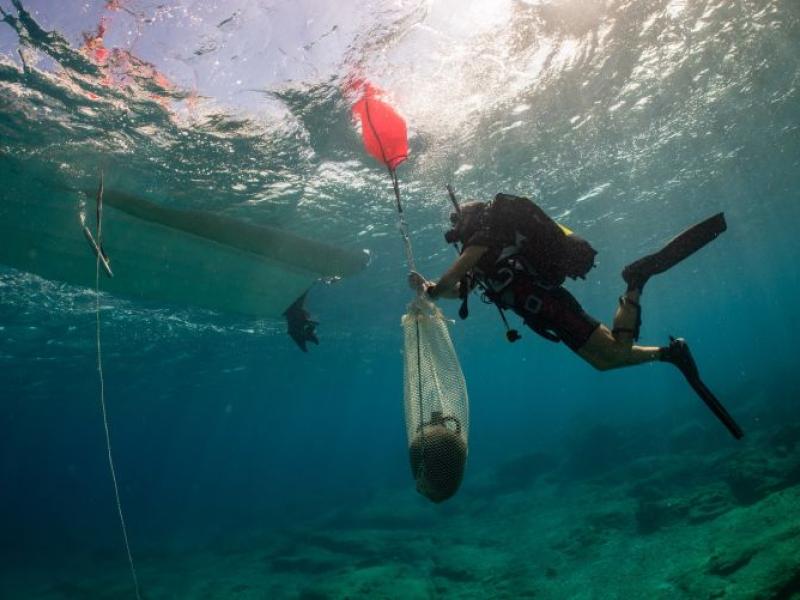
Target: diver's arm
(448, 284)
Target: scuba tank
(553, 252)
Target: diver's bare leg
(627, 319)
(604, 351)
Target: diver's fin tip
(678, 354)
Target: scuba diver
(519, 258)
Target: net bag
(436, 403)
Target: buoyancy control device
(516, 226)
(552, 251)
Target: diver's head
(465, 222)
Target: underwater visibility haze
(236, 186)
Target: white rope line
(108, 436)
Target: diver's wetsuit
(549, 310)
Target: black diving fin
(678, 354)
(680, 247)
(716, 407)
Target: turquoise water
(250, 470)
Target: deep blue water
(627, 120)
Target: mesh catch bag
(436, 403)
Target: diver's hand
(418, 283)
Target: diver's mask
(465, 222)
(452, 235)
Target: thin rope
(403, 225)
(108, 435)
